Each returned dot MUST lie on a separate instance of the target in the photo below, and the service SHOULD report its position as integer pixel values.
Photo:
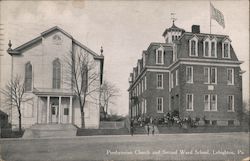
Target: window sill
(193, 55)
(210, 83)
(230, 84)
(159, 88)
(210, 56)
(231, 111)
(210, 110)
(189, 110)
(159, 111)
(190, 82)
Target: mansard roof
(17, 51)
(203, 36)
(165, 45)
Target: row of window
(140, 108)
(140, 87)
(210, 102)
(56, 80)
(209, 48)
(210, 75)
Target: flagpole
(210, 17)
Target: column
(48, 109)
(59, 108)
(38, 110)
(70, 109)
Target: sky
(123, 28)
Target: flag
(217, 15)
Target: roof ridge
(205, 34)
(44, 33)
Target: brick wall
(152, 93)
(221, 89)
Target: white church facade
(41, 63)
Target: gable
(57, 40)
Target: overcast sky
(123, 28)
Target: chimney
(196, 29)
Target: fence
(112, 124)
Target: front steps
(50, 130)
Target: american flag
(217, 15)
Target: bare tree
(14, 96)
(82, 76)
(108, 92)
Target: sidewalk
(116, 136)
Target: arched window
(214, 47)
(28, 77)
(160, 55)
(56, 74)
(193, 46)
(226, 48)
(84, 76)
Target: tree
(82, 76)
(14, 96)
(108, 92)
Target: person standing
(151, 120)
(153, 129)
(132, 127)
(148, 128)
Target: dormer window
(139, 67)
(206, 49)
(193, 46)
(226, 49)
(159, 56)
(174, 53)
(143, 60)
(214, 48)
(209, 48)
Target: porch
(54, 110)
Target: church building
(41, 63)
